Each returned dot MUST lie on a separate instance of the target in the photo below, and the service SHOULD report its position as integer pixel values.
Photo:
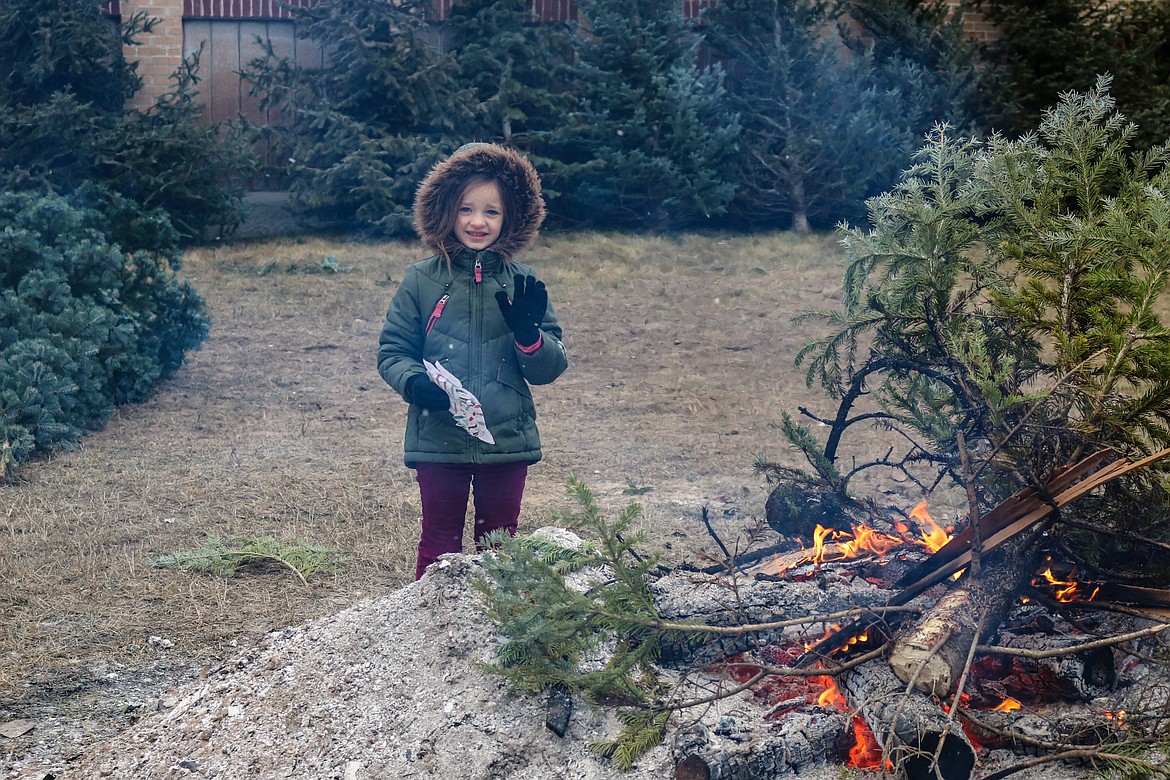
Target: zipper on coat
(438, 312)
(478, 270)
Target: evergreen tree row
(64, 83)
(95, 202)
(759, 114)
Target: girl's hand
(427, 394)
(525, 311)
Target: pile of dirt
(386, 688)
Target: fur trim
(445, 182)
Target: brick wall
(159, 53)
(976, 24)
(241, 9)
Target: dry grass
(681, 363)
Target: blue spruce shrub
(92, 315)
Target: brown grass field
(681, 355)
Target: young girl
(478, 317)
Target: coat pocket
(513, 402)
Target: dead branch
(1129, 536)
(974, 518)
(1053, 653)
(984, 728)
(752, 628)
(711, 532)
(1078, 754)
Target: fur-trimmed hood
(523, 204)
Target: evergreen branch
(215, 557)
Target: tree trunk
(932, 654)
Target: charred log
(803, 739)
(687, 598)
(915, 735)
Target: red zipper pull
(478, 270)
(438, 312)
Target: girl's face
(480, 216)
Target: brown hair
(441, 191)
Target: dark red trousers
(445, 488)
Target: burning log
(915, 735)
(1019, 513)
(933, 654)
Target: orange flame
(831, 695)
(866, 539)
(866, 753)
(833, 545)
(1066, 591)
(863, 539)
(1007, 705)
(935, 536)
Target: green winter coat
(444, 315)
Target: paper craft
(465, 406)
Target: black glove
(525, 311)
(427, 394)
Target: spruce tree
(819, 132)
(1006, 301)
(513, 66)
(63, 84)
(923, 50)
(364, 129)
(650, 145)
(1048, 46)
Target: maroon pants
(445, 488)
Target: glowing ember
(866, 753)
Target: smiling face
(479, 215)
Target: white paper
(465, 406)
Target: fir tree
(819, 133)
(512, 65)
(650, 144)
(365, 128)
(1005, 301)
(62, 120)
